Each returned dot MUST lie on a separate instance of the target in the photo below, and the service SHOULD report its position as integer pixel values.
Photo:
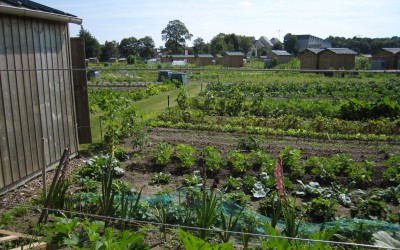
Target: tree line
(175, 35)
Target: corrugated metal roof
(281, 52)
(185, 56)
(392, 50)
(342, 51)
(230, 53)
(315, 51)
(34, 6)
(205, 56)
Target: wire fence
(165, 226)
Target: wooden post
(168, 101)
(44, 170)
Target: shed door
(80, 89)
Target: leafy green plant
(193, 180)
(240, 162)
(264, 160)
(228, 224)
(290, 161)
(160, 178)
(95, 166)
(121, 154)
(162, 154)
(186, 155)
(370, 208)
(271, 206)
(392, 173)
(361, 172)
(320, 209)
(212, 158)
(191, 242)
(323, 168)
(68, 233)
(107, 192)
(206, 212)
(249, 143)
(289, 215)
(233, 184)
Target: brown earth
(139, 169)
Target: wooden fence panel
(23, 134)
(36, 97)
(69, 92)
(80, 89)
(4, 112)
(31, 146)
(14, 126)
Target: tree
(218, 45)
(175, 36)
(245, 44)
(146, 47)
(289, 42)
(278, 46)
(128, 46)
(199, 46)
(92, 46)
(109, 50)
(232, 42)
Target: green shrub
(392, 173)
(212, 158)
(162, 154)
(186, 155)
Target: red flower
(278, 177)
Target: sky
(110, 20)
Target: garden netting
(228, 207)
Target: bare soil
(139, 169)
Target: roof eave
(38, 14)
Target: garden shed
(309, 58)
(337, 58)
(282, 55)
(387, 58)
(187, 58)
(232, 59)
(204, 59)
(40, 107)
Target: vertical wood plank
(31, 140)
(69, 92)
(21, 98)
(54, 52)
(80, 89)
(61, 99)
(55, 143)
(36, 134)
(48, 128)
(4, 110)
(13, 125)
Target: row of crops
(332, 108)
(254, 190)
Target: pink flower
(278, 177)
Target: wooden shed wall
(391, 59)
(36, 98)
(308, 60)
(232, 61)
(329, 60)
(204, 61)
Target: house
(336, 58)
(204, 59)
(262, 43)
(282, 55)
(93, 60)
(308, 41)
(187, 58)
(42, 95)
(165, 58)
(113, 59)
(309, 58)
(386, 58)
(232, 59)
